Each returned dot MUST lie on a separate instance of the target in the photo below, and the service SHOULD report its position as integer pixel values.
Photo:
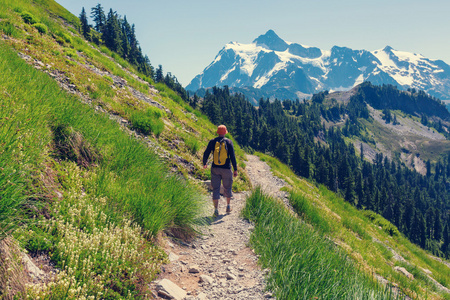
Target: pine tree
(418, 229)
(428, 165)
(148, 68)
(359, 189)
(437, 226)
(264, 138)
(321, 174)
(195, 101)
(248, 128)
(407, 216)
(429, 219)
(98, 15)
(85, 28)
(112, 33)
(445, 247)
(159, 76)
(126, 32)
(350, 194)
(388, 212)
(395, 122)
(361, 151)
(134, 46)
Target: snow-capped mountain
(288, 70)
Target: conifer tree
(159, 76)
(359, 188)
(148, 68)
(407, 216)
(99, 18)
(195, 101)
(126, 32)
(437, 226)
(445, 248)
(85, 28)
(112, 32)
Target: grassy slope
(304, 264)
(416, 143)
(355, 232)
(99, 196)
(393, 140)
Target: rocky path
(220, 265)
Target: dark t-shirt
(230, 148)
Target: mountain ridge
(287, 70)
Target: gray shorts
(224, 175)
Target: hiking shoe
(216, 213)
(228, 209)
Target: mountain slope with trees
(293, 132)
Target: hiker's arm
(207, 153)
(233, 158)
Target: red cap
(222, 130)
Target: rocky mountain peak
(388, 49)
(270, 40)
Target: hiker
(223, 152)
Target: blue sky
(185, 36)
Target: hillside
(408, 125)
(93, 153)
(365, 236)
(101, 169)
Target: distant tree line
(119, 36)
(293, 132)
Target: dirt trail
(220, 265)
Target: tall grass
(308, 211)
(22, 136)
(129, 175)
(304, 264)
(148, 121)
(98, 257)
(356, 231)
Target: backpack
(220, 152)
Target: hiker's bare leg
(228, 205)
(216, 203)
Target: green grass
(308, 211)
(192, 143)
(22, 136)
(355, 230)
(303, 263)
(117, 194)
(98, 256)
(354, 226)
(148, 121)
(39, 105)
(121, 178)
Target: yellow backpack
(220, 153)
